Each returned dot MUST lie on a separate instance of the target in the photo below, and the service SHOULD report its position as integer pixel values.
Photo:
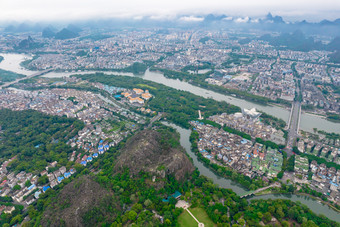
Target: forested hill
(35, 138)
(157, 152)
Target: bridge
(40, 73)
(155, 118)
(293, 124)
(249, 193)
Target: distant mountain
(276, 19)
(23, 27)
(74, 28)
(293, 41)
(28, 44)
(48, 33)
(334, 44)
(212, 17)
(66, 34)
(335, 57)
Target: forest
(35, 138)
(135, 200)
(7, 76)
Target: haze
(48, 10)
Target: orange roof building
(136, 100)
(126, 94)
(138, 91)
(146, 96)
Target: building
(251, 114)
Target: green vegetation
(335, 57)
(186, 220)
(7, 76)
(136, 68)
(202, 216)
(317, 159)
(273, 121)
(237, 59)
(27, 62)
(129, 201)
(295, 41)
(204, 39)
(284, 211)
(81, 53)
(199, 80)
(270, 144)
(180, 106)
(35, 138)
(197, 67)
(234, 131)
(328, 135)
(66, 33)
(333, 117)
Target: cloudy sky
(38, 10)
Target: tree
(137, 207)
(147, 203)
(285, 224)
(241, 221)
(132, 215)
(28, 183)
(267, 217)
(167, 222)
(43, 180)
(16, 187)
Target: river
(314, 205)
(11, 62)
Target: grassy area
(186, 220)
(145, 86)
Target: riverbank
(270, 192)
(278, 112)
(318, 199)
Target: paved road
(24, 78)
(155, 118)
(293, 127)
(274, 185)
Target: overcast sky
(38, 10)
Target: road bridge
(24, 78)
(249, 193)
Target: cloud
(254, 20)
(242, 20)
(89, 9)
(191, 19)
(228, 18)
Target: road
(24, 78)
(155, 118)
(293, 129)
(274, 185)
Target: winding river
(314, 205)
(11, 62)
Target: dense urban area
(82, 130)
